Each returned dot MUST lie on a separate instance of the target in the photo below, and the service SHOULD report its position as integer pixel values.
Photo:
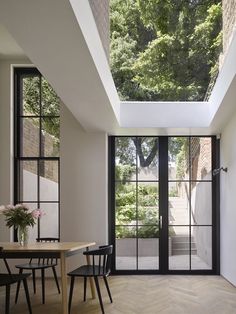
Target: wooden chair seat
(35, 266)
(89, 271)
(39, 264)
(8, 279)
(101, 267)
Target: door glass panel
(125, 159)
(179, 248)
(201, 257)
(147, 150)
(148, 209)
(200, 148)
(125, 204)
(178, 157)
(126, 247)
(148, 247)
(201, 203)
(178, 203)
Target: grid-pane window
(163, 205)
(37, 149)
(190, 203)
(137, 203)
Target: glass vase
(22, 235)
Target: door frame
(163, 208)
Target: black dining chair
(8, 279)
(39, 264)
(100, 267)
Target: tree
(139, 202)
(128, 36)
(36, 90)
(174, 47)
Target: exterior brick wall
(229, 23)
(201, 157)
(101, 11)
(30, 146)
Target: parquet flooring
(140, 295)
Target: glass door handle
(160, 222)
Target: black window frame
(163, 205)
(20, 72)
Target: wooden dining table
(60, 250)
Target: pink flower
(37, 213)
(41, 212)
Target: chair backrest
(101, 259)
(50, 260)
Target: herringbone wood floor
(141, 295)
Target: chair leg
(18, 287)
(107, 286)
(7, 301)
(85, 288)
(43, 285)
(55, 276)
(72, 280)
(99, 293)
(27, 295)
(34, 280)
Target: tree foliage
(139, 203)
(36, 90)
(164, 50)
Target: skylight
(165, 50)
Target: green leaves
(164, 50)
(18, 217)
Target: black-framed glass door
(163, 214)
(136, 203)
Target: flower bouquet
(21, 217)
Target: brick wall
(200, 157)
(229, 22)
(30, 146)
(101, 11)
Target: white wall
(83, 171)
(228, 202)
(83, 182)
(6, 147)
(202, 210)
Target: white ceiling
(8, 46)
(52, 39)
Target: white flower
(2, 208)
(9, 207)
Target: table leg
(64, 284)
(92, 286)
